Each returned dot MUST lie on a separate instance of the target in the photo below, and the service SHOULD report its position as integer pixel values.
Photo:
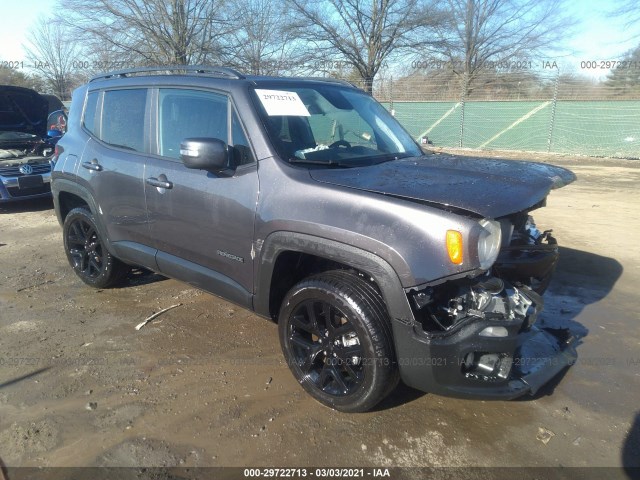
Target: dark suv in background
(305, 201)
(27, 143)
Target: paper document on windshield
(278, 102)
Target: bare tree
(157, 32)
(52, 53)
(18, 78)
(260, 41)
(624, 79)
(101, 58)
(629, 10)
(481, 34)
(362, 34)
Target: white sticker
(278, 102)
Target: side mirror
(204, 153)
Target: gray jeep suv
(305, 201)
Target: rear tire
(87, 254)
(335, 334)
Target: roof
(224, 73)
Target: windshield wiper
(357, 161)
(308, 161)
(392, 157)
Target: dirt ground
(204, 384)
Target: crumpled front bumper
(442, 364)
(543, 353)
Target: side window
(89, 119)
(189, 114)
(241, 150)
(123, 118)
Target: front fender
(380, 270)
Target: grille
(15, 170)
(26, 192)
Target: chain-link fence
(525, 110)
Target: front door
(202, 222)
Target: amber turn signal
(454, 246)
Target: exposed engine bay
(528, 256)
(487, 298)
(15, 147)
(26, 163)
(510, 290)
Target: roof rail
(201, 69)
(331, 79)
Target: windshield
(331, 125)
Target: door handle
(160, 183)
(92, 165)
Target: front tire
(335, 334)
(86, 252)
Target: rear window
(123, 118)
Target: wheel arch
(287, 257)
(68, 195)
(68, 201)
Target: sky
(17, 18)
(598, 36)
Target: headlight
(489, 243)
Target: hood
(487, 187)
(23, 110)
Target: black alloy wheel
(336, 336)
(326, 347)
(87, 253)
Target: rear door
(113, 164)
(202, 222)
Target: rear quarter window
(89, 118)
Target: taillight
(56, 153)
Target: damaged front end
(530, 255)
(482, 337)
